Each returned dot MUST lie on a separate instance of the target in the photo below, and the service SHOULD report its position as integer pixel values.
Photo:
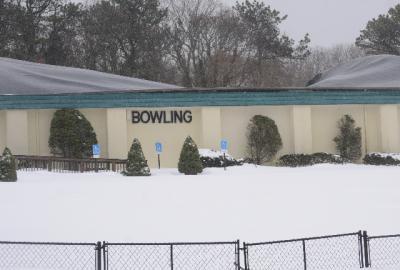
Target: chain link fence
(39, 256)
(340, 252)
(169, 256)
(384, 251)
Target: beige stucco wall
(2, 129)
(304, 129)
(372, 132)
(236, 119)
(27, 131)
(117, 133)
(389, 128)
(324, 125)
(17, 136)
(98, 119)
(170, 135)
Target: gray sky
(329, 22)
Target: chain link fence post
(98, 249)
(304, 254)
(105, 256)
(171, 256)
(246, 255)
(361, 249)
(367, 262)
(237, 250)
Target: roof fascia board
(197, 99)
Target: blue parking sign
(224, 146)
(158, 147)
(96, 150)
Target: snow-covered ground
(247, 203)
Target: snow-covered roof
(376, 71)
(26, 78)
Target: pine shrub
(263, 139)
(348, 142)
(137, 163)
(8, 168)
(189, 160)
(71, 134)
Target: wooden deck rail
(59, 164)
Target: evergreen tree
(71, 134)
(263, 139)
(382, 35)
(189, 160)
(61, 46)
(348, 142)
(8, 170)
(136, 164)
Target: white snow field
(249, 203)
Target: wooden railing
(59, 164)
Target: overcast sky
(328, 22)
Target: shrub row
(210, 159)
(299, 160)
(381, 159)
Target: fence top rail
(46, 243)
(303, 239)
(171, 243)
(383, 236)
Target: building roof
(25, 78)
(381, 71)
(26, 85)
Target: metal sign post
(158, 150)
(224, 149)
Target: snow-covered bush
(382, 159)
(8, 168)
(136, 164)
(299, 160)
(348, 142)
(210, 158)
(263, 139)
(189, 159)
(71, 134)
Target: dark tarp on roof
(365, 72)
(26, 78)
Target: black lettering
(147, 119)
(177, 116)
(170, 118)
(187, 116)
(135, 117)
(165, 117)
(156, 116)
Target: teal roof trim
(200, 98)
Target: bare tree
(190, 23)
(301, 72)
